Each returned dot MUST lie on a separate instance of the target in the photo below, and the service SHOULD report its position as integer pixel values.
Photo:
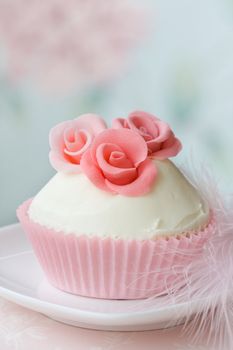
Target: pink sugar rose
(70, 139)
(117, 162)
(160, 139)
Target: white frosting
(71, 203)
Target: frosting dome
(73, 204)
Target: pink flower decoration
(160, 139)
(117, 162)
(70, 139)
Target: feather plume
(208, 280)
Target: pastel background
(60, 59)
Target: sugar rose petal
(160, 139)
(117, 162)
(147, 173)
(131, 143)
(69, 140)
(120, 173)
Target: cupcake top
(117, 182)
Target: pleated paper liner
(111, 268)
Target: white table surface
(22, 329)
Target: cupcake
(118, 220)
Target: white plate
(22, 281)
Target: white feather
(209, 277)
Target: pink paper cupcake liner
(111, 268)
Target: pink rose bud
(70, 139)
(160, 139)
(117, 162)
